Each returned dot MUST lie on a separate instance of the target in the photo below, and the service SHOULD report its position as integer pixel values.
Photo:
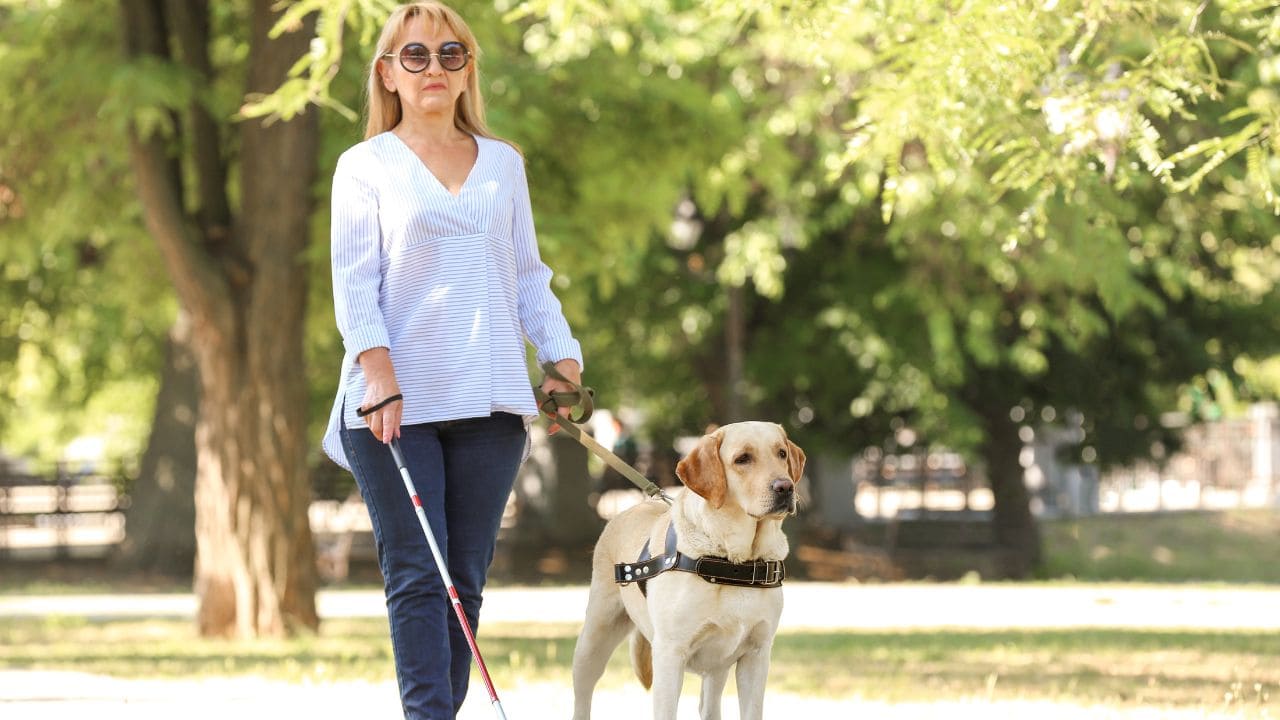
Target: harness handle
(579, 395)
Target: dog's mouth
(781, 507)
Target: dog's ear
(702, 472)
(795, 461)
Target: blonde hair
(383, 108)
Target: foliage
(82, 332)
(1050, 214)
(1073, 197)
(1047, 91)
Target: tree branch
(190, 22)
(201, 289)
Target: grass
(1196, 670)
(81, 577)
(1238, 546)
(1191, 669)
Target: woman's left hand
(571, 370)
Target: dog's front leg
(668, 678)
(751, 674)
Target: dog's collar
(717, 570)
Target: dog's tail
(642, 658)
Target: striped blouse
(452, 285)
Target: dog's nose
(783, 487)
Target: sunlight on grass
(1203, 546)
(1117, 667)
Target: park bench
(63, 515)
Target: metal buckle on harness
(772, 572)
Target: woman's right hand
(380, 384)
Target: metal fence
(1224, 464)
(65, 513)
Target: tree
(989, 134)
(160, 521)
(229, 210)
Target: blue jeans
(463, 471)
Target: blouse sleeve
(541, 316)
(356, 248)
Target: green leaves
(148, 92)
(311, 77)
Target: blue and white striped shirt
(452, 285)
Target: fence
(1224, 464)
(1231, 463)
(63, 514)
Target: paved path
(26, 695)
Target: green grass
(1115, 667)
(1231, 546)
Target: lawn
(1232, 546)
(1196, 671)
(1118, 668)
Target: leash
(585, 397)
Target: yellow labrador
(743, 478)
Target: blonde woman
(437, 284)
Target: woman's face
(434, 90)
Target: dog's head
(752, 464)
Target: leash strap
(550, 404)
(362, 412)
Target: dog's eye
(742, 459)
(782, 454)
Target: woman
(437, 282)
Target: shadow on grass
(1179, 668)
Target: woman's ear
(384, 74)
(702, 472)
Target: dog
(740, 483)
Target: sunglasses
(416, 57)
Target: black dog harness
(718, 570)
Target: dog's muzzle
(784, 497)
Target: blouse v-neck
(479, 141)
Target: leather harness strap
(755, 573)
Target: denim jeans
(463, 471)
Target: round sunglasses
(416, 57)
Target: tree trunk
(830, 477)
(255, 565)
(1015, 529)
(160, 523)
(572, 523)
(243, 283)
(735, 350)
(255, 570)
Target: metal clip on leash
(585, 396)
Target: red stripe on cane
(416, 501)
(453, 593)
